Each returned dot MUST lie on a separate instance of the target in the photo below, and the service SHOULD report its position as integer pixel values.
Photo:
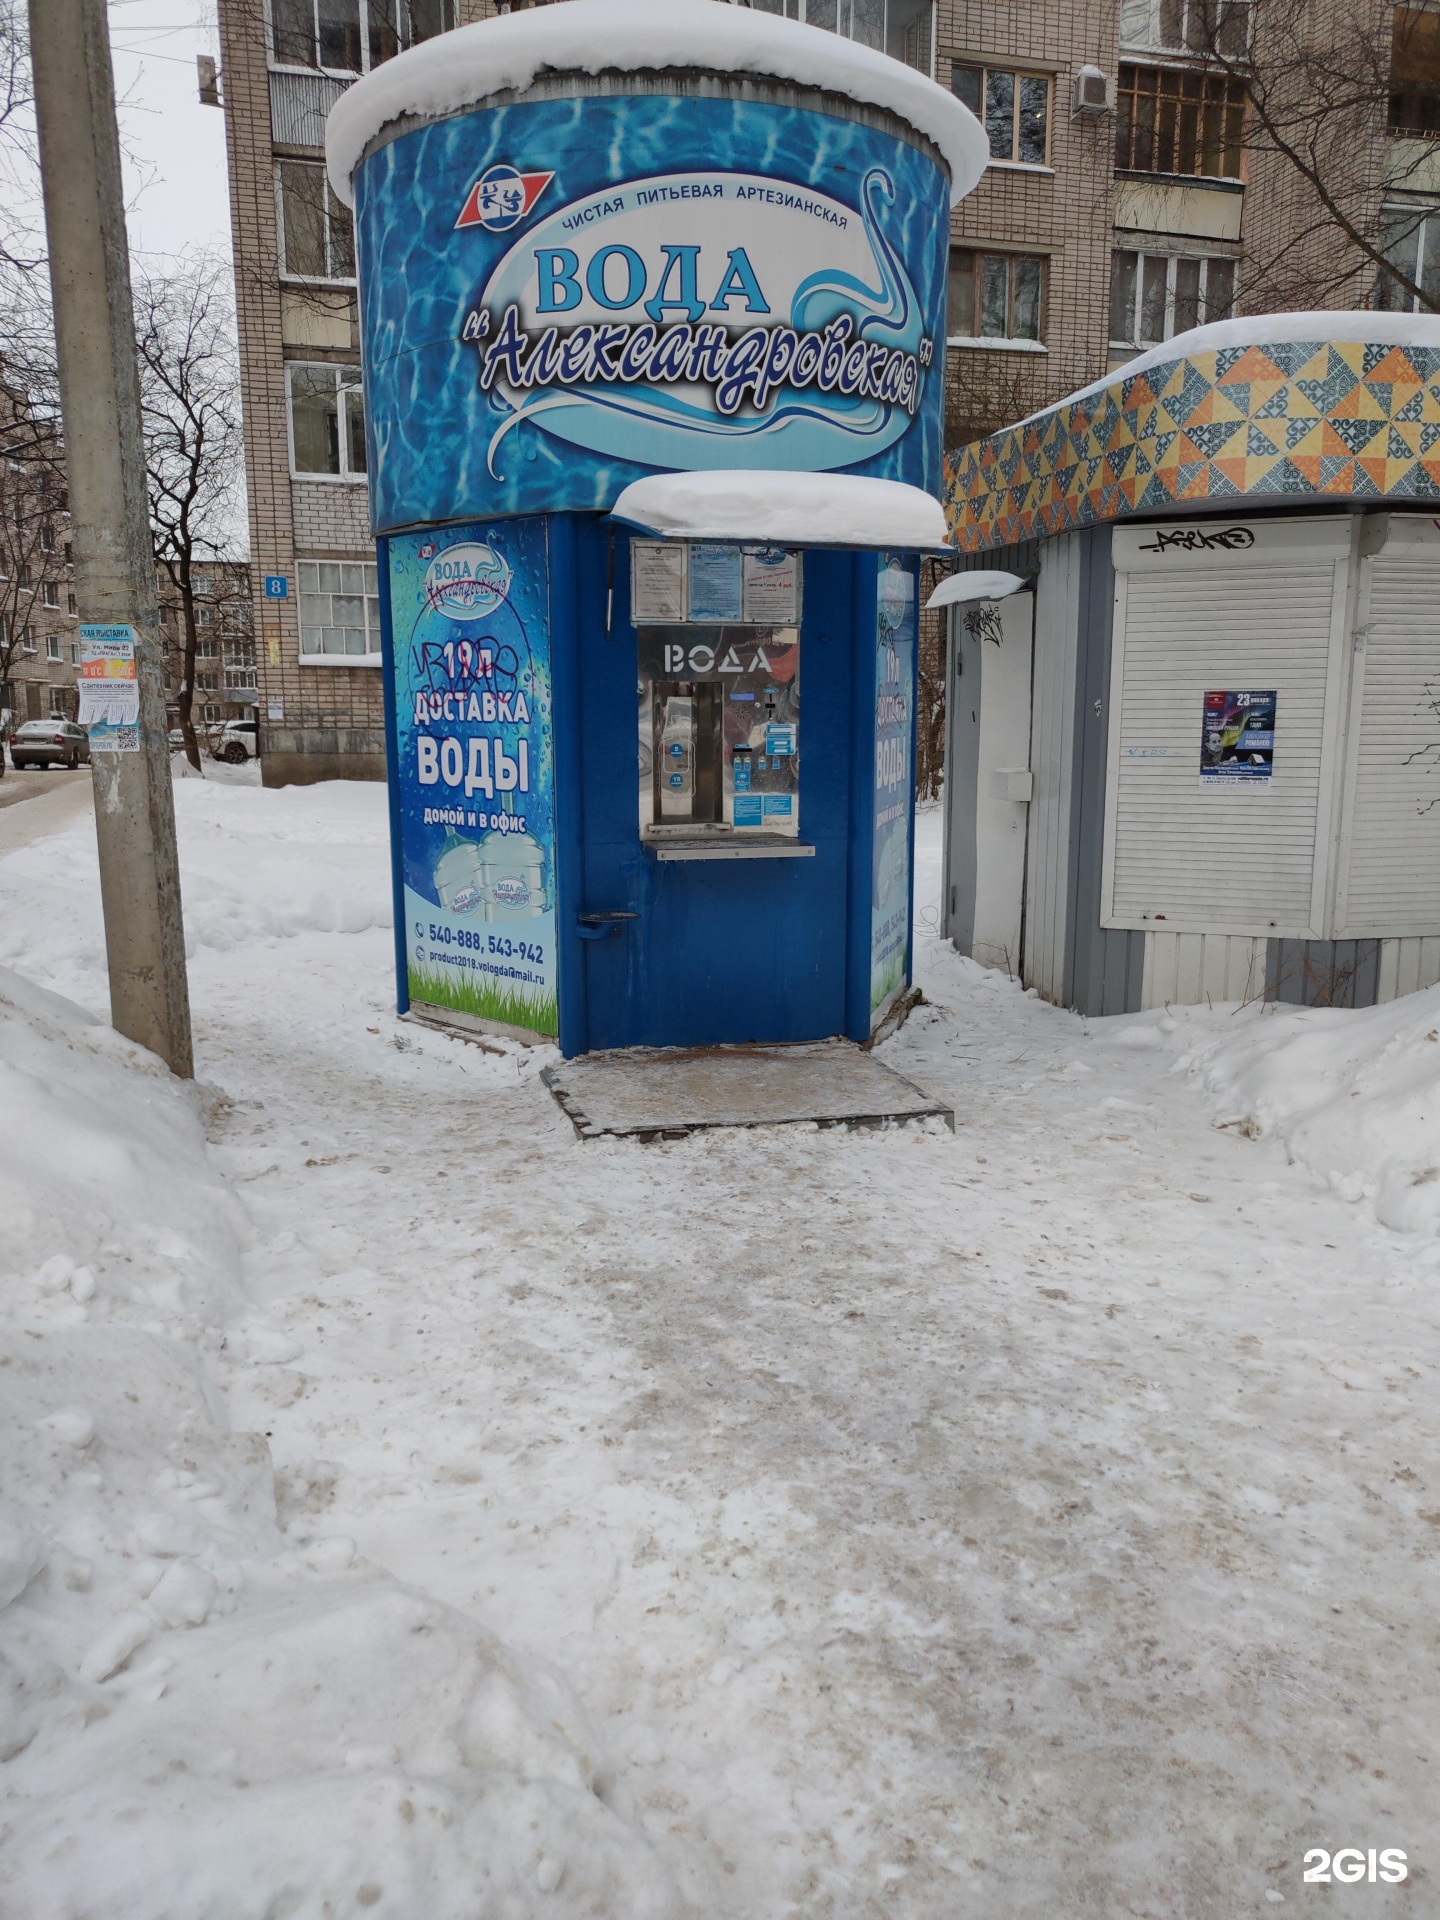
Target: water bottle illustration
(458, 879)
(512, 870)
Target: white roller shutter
(1261, 608)
(1389, 881)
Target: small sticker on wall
(1237, 737)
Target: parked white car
(234, 741)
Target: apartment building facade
(225, 676)
(39, 615)
(1113, 215)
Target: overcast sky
(175, 170)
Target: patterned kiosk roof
(1281, 408)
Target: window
(207, 649)
(27, 639)
(50, 594)
(351, 36)
(902, 28)
(1410, 240)
(210, 713)
(22, 576)
(1186, 26)
(52, 646)
(239, 679)
(327, 422)
(72, 605)
(1415, 73)
(207, 682)
(994, 296)
(1154, 296)
(1013, 108)
(204, 616)
(339, 610)
(1169, 120)
(74, 653)
(317, 240)
(47, 539)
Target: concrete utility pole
(105, 459)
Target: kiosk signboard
(561, 296)
(895, 627)
(469, 613)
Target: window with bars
(339, 610)
(351, 36)
(1179, 121)
(327, 422)
(1186, 26)
(1154, 296)
(995, 296)
(1410, 241)
(1013, 108)
(317, 240)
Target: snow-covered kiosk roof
(1279, 408)
(462, 69)
(785, 509)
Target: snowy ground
(1041, 1520)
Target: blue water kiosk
(653, 298)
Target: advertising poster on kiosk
(895, 634)
(648, 284)
(1237, 738)
(469, 609)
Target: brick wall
(1064, 215)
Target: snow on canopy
(1266, 330)
(789, 509)
(464, 68)
(983, 584)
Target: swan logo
(466, 582)
(707, 319)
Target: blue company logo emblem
(707, 319)
(466, 582)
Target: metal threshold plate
(666, 1093)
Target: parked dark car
(39, 743)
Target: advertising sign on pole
(895, 631)
(469, 609)
(109, 688)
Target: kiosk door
(716, 812)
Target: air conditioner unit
(1094, 93)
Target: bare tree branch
(190, 405)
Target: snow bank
(198, 1717)
(1355, 1097)
(461, 69)
(791, 509)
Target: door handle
(600, 926)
